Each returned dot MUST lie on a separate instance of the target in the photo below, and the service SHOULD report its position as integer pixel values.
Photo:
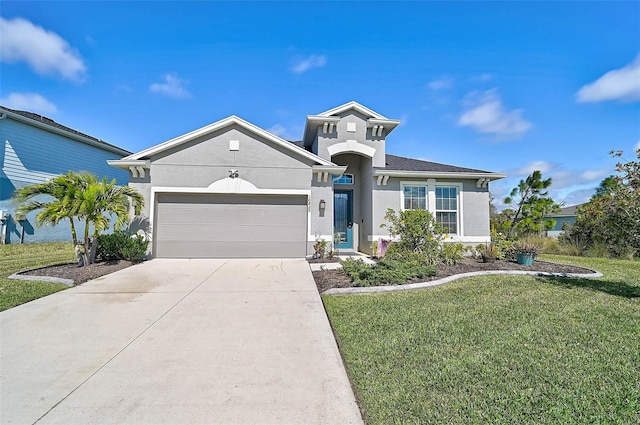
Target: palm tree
(99, 199)
(60, 204)
(83, 196)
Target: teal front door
(343, 218)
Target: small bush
(451, 253)
(393, 269)
(122, 245)
(599, 250)
(417, 230)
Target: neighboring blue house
(566, 216)
(33, 149)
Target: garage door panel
(210, 226)
(225, 233)
(263, 249)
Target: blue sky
(502, 86)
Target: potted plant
(525, 253)
(488, 252)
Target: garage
(230, 226)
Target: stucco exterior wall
(321, 219)
(199, 163)
(473, 209)
(361, 135)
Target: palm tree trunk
(87, 248)
(94, 248)
(74, 236)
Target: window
(344, 179)
(415, 197)
(447, 208)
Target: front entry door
(343, 218)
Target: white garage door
(230, 226)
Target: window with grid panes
(415, 197)
(447, 208)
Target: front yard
(498, 349)
(14, 258)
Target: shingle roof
(570, 211)
(51, 123)
(409, 164)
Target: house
(566, 216)
(232, 189)
(33, 149)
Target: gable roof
(233, 119)
(374, 119)
(408, 167)
(352, 105)
(43, 122)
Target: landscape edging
(438, 282)
(20, 276)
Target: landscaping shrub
(392, 269)
(451, 253)
(417, 230)
(122, 245)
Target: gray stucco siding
(362, 135)
(474, 207)
(213, 148)
(475, 210)
(204, 175)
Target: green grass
(498, 349)
(14, 258)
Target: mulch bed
(327, 279)
(80, 274)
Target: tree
(55, 198)
(532, 205)
(606, 186)
(612, 216)
(99, 199)
(82, 196)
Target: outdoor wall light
(323, 204)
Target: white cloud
(486, 114)
(619, 84)
(171, 86)
(287, 133)
(44, 51)
(589, 176)
(441, 84)
(561, 177)
(313, 61)
(482, 78)
(637, 145)
(577, 197)
(278, 130)
(525, 170)
(31, 102)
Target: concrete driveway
(177, 342)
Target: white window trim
(431, 185)
(353, 180)
(458, 186)
(415, 184)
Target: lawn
(14, 258)
(498, 349)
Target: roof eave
(233, 119)
(439, 174)
(98, 144)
